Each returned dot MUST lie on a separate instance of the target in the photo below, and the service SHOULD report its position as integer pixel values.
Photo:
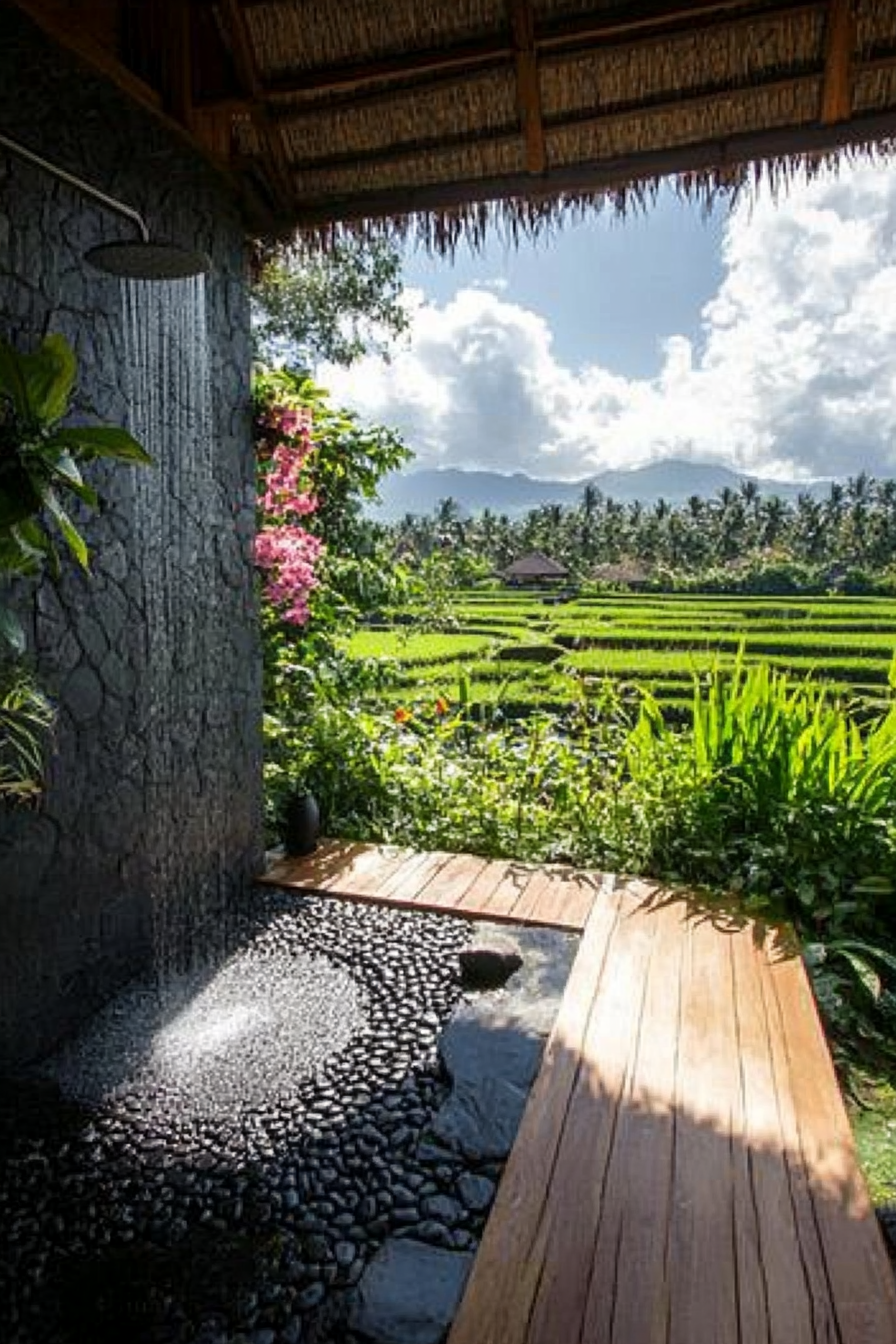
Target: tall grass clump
(778, 795)
(775, 790)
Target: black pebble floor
(249, 1224)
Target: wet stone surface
(159, 1216)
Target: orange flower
(441, 705)
(402, 715)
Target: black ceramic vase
(301, 823)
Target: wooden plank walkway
(685, 1171)
(496, 889)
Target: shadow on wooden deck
(685, 1171)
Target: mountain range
(420, 492)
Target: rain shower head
(139, 260)
(146, 260)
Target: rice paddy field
(528, 651)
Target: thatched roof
(440, 118)
(535, 567)
(625, 573)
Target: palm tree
(773, 517)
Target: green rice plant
(410, 646)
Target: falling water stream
(172, 414)
(222, 1027)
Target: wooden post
(276, 167)
(836, 98)
(178, 61)
(528, 90)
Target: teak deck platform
(684, 1172)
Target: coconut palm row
(852, 524)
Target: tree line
(850, 528)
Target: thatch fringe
(510, 221)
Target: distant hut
(534, 569)
(623, 574)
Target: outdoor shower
(143, 259)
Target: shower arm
(109, 201)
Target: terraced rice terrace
(526, 651)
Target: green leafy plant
(41, 459)
(40, 473)
(772, 794)
(333, 306)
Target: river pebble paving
(132, 1208)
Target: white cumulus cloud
(794, 373)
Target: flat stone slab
(492, 1046)
(480, 1120)
(409, 1293)
(483, 1041)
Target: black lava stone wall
(77, 875)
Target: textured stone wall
(122, 815)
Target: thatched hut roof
(439, 118)
(534, 568)
(625, 573)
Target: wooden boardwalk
(495, 889)
(684, 1172)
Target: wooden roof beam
(56, 23)
(464, 57)
(383, 95)
(178, 61)
(528, 90)
(637, 23)
(840, 42)
(276, 167)
(205, 131)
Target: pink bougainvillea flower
(284, 490)
(285, 552)
(288, 554)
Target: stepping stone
(480, 1120)
(482, 1041)
(409, 1293)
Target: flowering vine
(285, 551)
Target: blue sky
(763, 339)
(612, 289)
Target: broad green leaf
(94, 441)
(31, 536)
(49, 375)
(67, 468)
(70, 477)
(866, 975)
(873, 886)
(16, 558)
(74, 540)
